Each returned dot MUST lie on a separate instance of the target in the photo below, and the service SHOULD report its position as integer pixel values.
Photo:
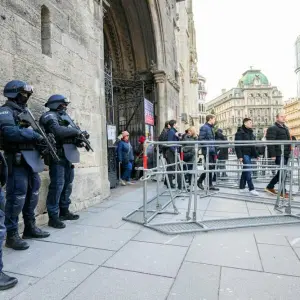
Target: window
(45, 31)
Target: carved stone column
(160, 79)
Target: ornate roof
(253, 78)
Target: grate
(237, 222)
(175, 228)
(219, 224)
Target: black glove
(85, 134)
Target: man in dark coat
(206, 134)
(278, 132)
(245, 154)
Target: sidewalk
(100, 256)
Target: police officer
(6, 282)
(24, 163)
(56, 121)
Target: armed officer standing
(20, 145)
(68, 138)
(6, 282)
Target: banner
(149, 113)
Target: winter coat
(172, 137)
(245, 134)
(206, 134)
(188, 150)
(221, 151)
(125, 153)
(278, 132)
(163, 138)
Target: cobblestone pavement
(100, 256)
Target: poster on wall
(149, 132)
(149, 112)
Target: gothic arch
(130, 37)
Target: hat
(142, 139)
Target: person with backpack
(163, 137)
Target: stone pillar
(160, 79)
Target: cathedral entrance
(129, 84)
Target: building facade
(201, 100)
(187, 66)
(106, 56)
(254, 97)
(297, 70)
(292, 111)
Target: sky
(233, 35)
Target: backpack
(163, 138)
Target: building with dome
(254, 97)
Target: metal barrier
(177, 169)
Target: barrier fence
(227, 174)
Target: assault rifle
(83, 137)
(49, 140)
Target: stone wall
(74, 68)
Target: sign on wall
(149, 112)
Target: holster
(9, 160)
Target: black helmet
(56, 100)
(15, 87)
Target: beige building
(106, 56)
(254, 97)
(187, 66)
(292, 111)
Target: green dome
(252, 78)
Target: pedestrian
(171, 153)
(20, 145)
(278, 132)
(222, 153)
(126, 158)
(139, 153)
(57, 122)
(245, 154)
(206, 134)
(189, 151)
(6, 281)
(163, 137)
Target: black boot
(55, 222)
(14, 241)
(200, 184)
(33, 232)
(65, 214)
(7, 282)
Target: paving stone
(256, 206)
(105, 204)
(259, 212)
(150, 258)
(108, 218)
(131, 226)
(147, 235)
(225, 214)
(279, 259)
(271, 238)
(113, 284)
(94, 209)
(227, 205)
(93, 256)
(243, 284)
(294, 241)
(233, 249)
(59, 283)
(196, 281)
(23, 283)
(40, 259)
(93, 237)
